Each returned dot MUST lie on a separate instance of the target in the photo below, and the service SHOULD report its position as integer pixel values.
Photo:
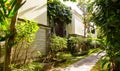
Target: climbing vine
(57, 10)
(59, 15)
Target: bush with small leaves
(58, 43)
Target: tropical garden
(106, 16)
(17, 36)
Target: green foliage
(26, 30)
(73, 44)
(57, 46)
(106, 16)
(89, 39)
(62, 55)
(71, 0)
(102, 43)
(70, 59)
(79, 44)
(76, 39)
(99, 64)
(57, 10)
(7, 11)
(33, 66)
(105, 62)
(8, 8)
(93, 42)
(58, 43)
(8, 17)
(95, 50)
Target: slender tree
(11, 39)
(8, 13)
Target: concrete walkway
(85, 64)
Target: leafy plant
(99, 64)
(80, 44)
(57, 10)
(33, 66)
(8, 17)
(106, 16)
(25, 35)
(105, 62)
(58, 43)
(26, 30)
(58, 15)
(7, 11)
(74, 44)
(71, 0)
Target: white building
(32, 10)
(76, 27)
(37, 10)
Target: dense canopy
(57, 10)
(106, 15)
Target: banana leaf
(14, 9)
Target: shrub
(62, 55)
(33, 66)
(58, 43)
(25, 36)
(92, 42)
(79, 44)
(26, 30)
(74, 44)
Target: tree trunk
(10, 41)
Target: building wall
(69, 27)
(36, 10)
(76, 27)
(40, 41)
(79, 26)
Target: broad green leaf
(2, 38)
(2, 3)
(14, 10)
(3, 26)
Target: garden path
(84, 64)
